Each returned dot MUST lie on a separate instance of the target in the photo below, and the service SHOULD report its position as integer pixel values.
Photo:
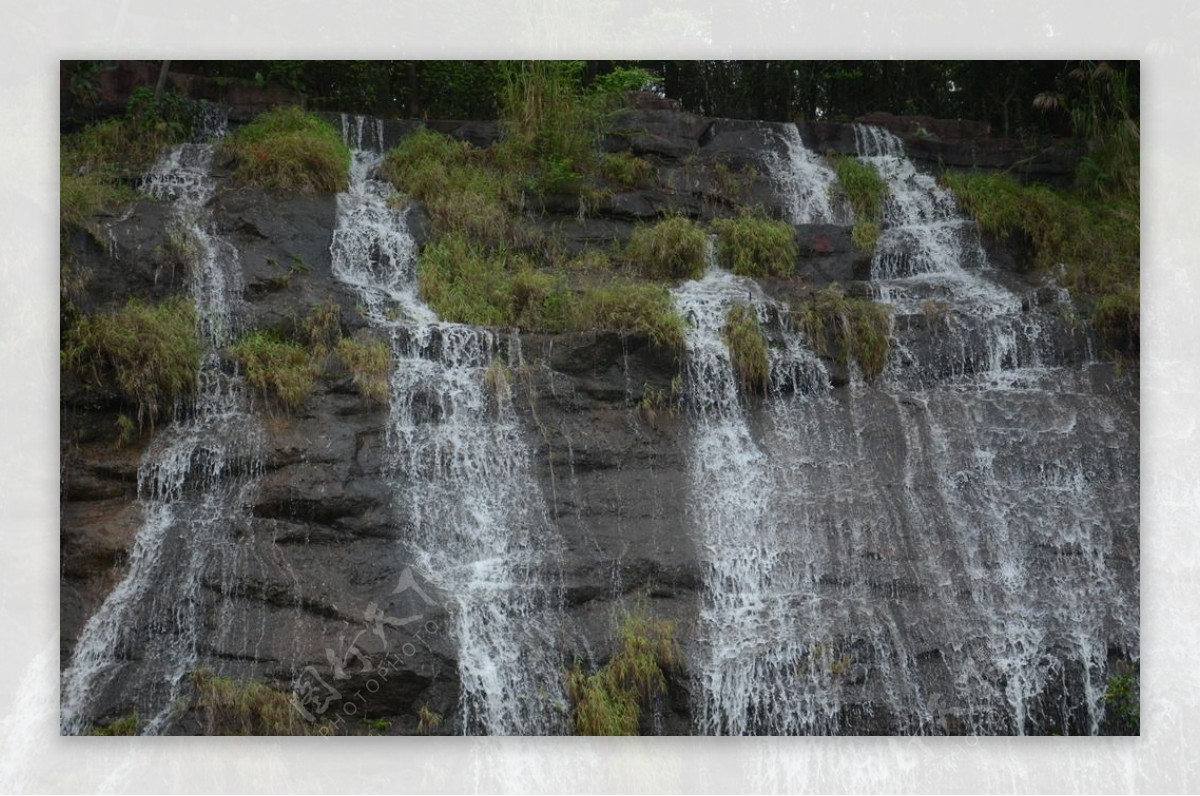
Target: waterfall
(195, 484)
(473, 516)
(803, 181)
(933, 554)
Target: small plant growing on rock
(152, 352)
(754, 245)
(278, 368)
(370, 365)
(853, 327)
(232, 708)
(862, 186)
(626, 169)
(674, 248)
(632, 306)
(747, 348)
(126, 725)
(288, 150)
(609, 701)
(428, 721)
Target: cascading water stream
(942, 544)
(473, 515)
(761, 667)
(803, 181)
(194, 485)
(929, 264)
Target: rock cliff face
(321, 592)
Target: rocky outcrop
(323, 595)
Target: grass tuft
(674, 248)
(278, 368)
(625, 169)
(126, 725)
(463, 188)
(852, 327)
(747, 348)
(862, 186)
(370, 364)
(290, 151)
(609, 701)
(755, 245)
(152, 353)
(633, 306)
(233, 708)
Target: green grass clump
(852, 327)
(609, 701)
(747, 348)
(1096, 240)
(233, 708)
(290, 151)
(464, 189)
(94, 162)
(674, 248)
(862, 186)
(864, 235)
(625, 169)
(369, 363)
(466, 282)
(126, 725)
(278, 368)
(152, 352)
(755, 245)
(632, 306)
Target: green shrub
(233, 708)
(608, 701)
(852, 327)
(278, 368)
(1096, 240)
(674, 248)
(152, 353)
(862, 186)
(92, 164)
(541, 302)
(632, 306)
(289, 150)
(370, 365)
(754, 245)
(747, 348)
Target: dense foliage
(999, 92)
